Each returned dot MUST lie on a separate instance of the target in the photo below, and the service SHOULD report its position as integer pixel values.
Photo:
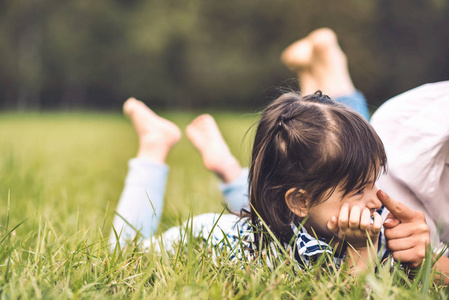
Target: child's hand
(355, 227)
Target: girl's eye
(359, 192)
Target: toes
(130, 105)
(323, 36)
(202, 122)
(201, 119)
(297, 55)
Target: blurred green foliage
(190, 54)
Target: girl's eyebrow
(370, 182)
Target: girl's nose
(374, 201)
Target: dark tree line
(189, 54)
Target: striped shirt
(234, 235)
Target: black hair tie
(281, 121)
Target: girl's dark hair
(310, 143)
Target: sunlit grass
(61, 177)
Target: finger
(408, 229)
(391, 221)
(332, 225)
(399, 210)
(401, 244)
(377, 224)
(354, 217)
(343, 217)
(410, 256)
(365, 219)
(398, 232)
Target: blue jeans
(357, 102)
(140, 205)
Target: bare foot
(205, 135)
(156, 134)
(319, 63)
(297, 57)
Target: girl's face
(321, 214)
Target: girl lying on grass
(312, 184)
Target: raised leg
(156, 135)
(320, 64)
(141, 202)
(205, 135)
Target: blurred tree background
(181, 54)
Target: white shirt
(414, 128)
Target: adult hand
(406, 231)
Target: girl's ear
(297, 202)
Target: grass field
(61, 177)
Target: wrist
(362, 246)
(360, 258)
